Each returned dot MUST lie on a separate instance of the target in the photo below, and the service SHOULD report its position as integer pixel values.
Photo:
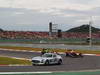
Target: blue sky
(35, 15)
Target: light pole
(90, 32)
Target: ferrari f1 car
(47, 59)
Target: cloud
(46, 4)
(36, 14)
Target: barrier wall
(63, 40)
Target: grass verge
(12, 61)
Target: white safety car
(46, 59)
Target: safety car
(47, 59)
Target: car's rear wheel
(60, 62)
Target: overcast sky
(35, 15)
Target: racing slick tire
(81, 55)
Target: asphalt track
(69, 64)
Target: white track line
(18, 50)
(16, 57)
(1, 73)
(90, 54)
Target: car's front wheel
(33, 64)
(46, 62)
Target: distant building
(53, 29)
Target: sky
(35, 15)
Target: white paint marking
(23, 72)
(90, 54)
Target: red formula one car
(73, 54)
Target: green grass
(8, 61)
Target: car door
(55, 58)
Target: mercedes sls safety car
(47, 59)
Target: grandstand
(39, 37)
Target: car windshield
(47, 55)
